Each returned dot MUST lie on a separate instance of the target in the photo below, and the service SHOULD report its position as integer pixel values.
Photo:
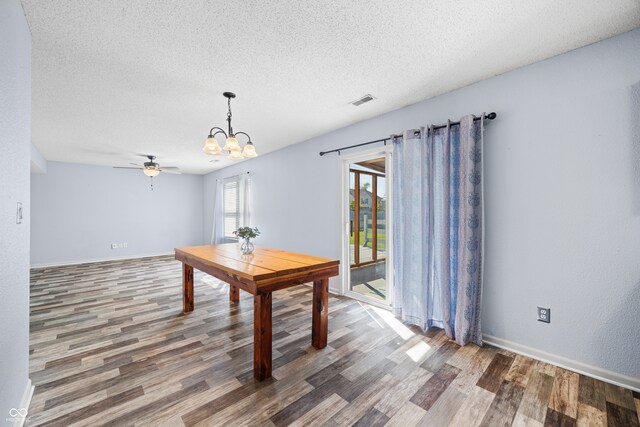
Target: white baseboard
(92, 260)
(24, 404)
(566, 363)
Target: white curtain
(244, 207)
(245, 200)
(217, 232)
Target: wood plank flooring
(110, 346)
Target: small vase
(246, 247)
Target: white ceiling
(113, 79)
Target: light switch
(19, 214)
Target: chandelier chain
(229, 117)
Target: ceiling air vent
(363, 99)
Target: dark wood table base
(187, 288)
(262, 336)
(320, 314)
(262, 329)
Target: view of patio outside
(367, 241)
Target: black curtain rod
(489, 116)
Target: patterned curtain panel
(438, 224)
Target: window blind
(231, 206)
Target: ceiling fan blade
(135, 164)
(173, 171)
(126, 167)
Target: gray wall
(79, 210)
(15, 152)
(562, 190)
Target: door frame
(375, 153)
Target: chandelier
(231, 145)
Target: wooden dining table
(260, 273)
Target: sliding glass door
(367, 229)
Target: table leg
(187, 288)
(262, 336)
(320, 317)
(234, 293)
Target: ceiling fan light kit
(212, 147)
(151, 168)
(151, 172)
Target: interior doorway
(368, 228)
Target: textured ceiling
(113, 79)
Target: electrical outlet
(114, 246)
(544, 315)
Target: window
(231, 206)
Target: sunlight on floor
(418, 351)
(388, 318)
(366, 308)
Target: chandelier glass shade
(249, 150)
(211, 146)
(231, 145)
(235, 155)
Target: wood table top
(262, 264)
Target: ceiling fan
(151, 168)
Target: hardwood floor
(110, 346)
